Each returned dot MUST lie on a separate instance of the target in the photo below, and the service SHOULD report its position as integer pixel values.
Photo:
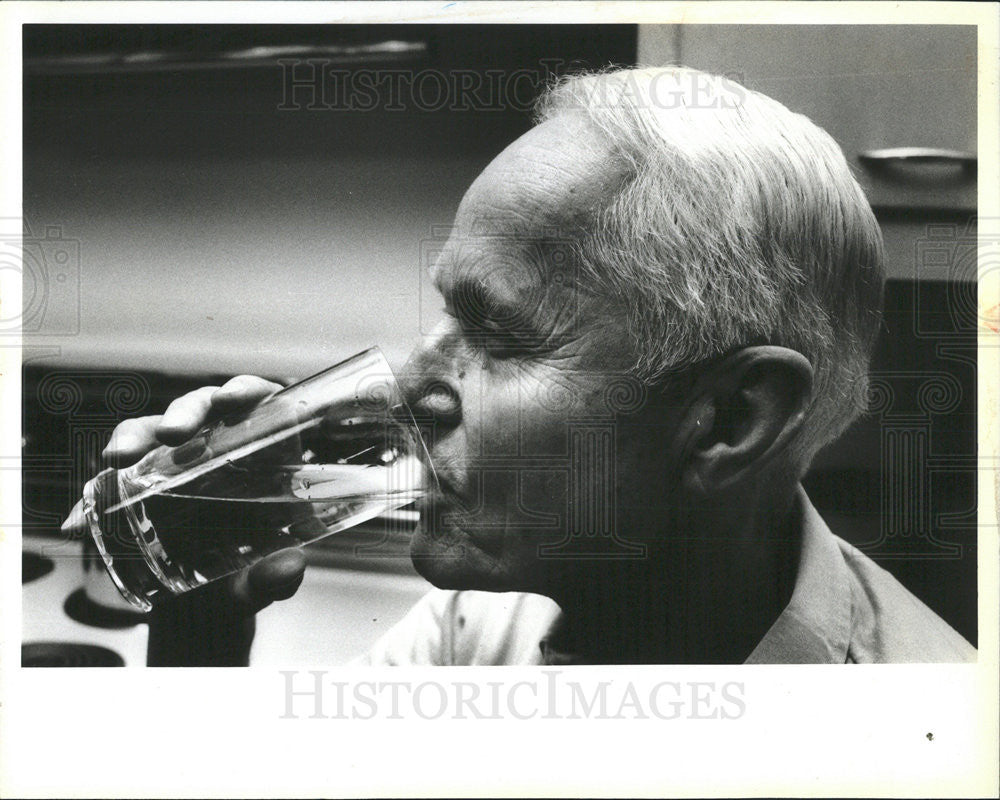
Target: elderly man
(693, 267)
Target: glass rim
(376, 350)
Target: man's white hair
(739, 223)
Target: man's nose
(429, 381)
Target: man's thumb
(276, 577)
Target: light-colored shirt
(844, 609)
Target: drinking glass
(312, 459)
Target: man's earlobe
(747, 410)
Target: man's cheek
(498, 437)
(489, 416)
(542, 504)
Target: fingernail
(232, 387)
(125, 441)
(75, 517)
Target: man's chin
(449, 560)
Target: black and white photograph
(642, 357)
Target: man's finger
(276, 577)
(76, 522)
(185, 416)
(131, 440)
(242, 390)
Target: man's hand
(213, 625)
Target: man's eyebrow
(474, 295)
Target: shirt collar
(815, 627)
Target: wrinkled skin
(528, 349)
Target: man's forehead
(532, 202)
(557, 174)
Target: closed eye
(491, 324)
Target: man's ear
(745, 411)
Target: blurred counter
(336, 614)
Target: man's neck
(707, 595)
